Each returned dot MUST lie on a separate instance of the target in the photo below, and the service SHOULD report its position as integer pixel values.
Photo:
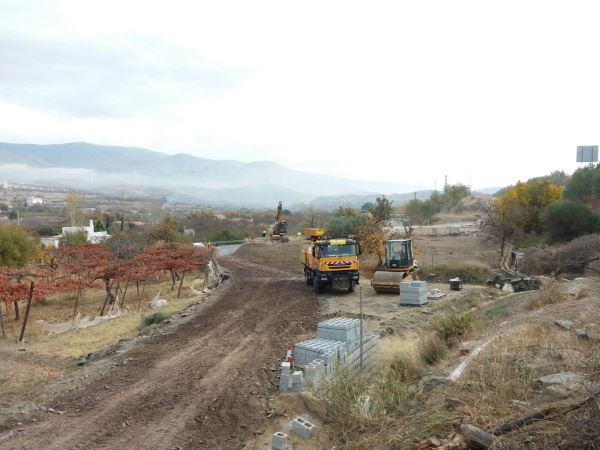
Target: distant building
(189, 232)
(30, 201)
(93, 237)
(51, 241)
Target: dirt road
(204, 385)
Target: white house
(93, 237)
(30, 201)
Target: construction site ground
(202, 382)
(208, 379)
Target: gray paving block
(413, 302)
(279, 441)
(284, 383)
(303, 427)
(297, 381)
(339, 329)
(307, 351)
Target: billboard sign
(587, 153)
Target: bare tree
(500, 220)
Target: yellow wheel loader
(400, 265)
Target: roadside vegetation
(467, 271)
(154, 318)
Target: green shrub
(455, 327)
(340, 226)
(497, 310)
(74, 239)
(153, 318)
(567, 220)
(227, 235)
(467, 271)
(432, 349)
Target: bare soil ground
(203, 384)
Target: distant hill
(196, 179)
(356, 201)
(489, 190)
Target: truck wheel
(318, 286)
(351, 286)
(308, 279)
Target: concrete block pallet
(340, 329)
(413, 293)
(320, 357)
(307, 351)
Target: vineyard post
(76, 303)
(2, 322)
(29, 298)
(124, 294)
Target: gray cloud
(124, 77)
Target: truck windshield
(338, 250)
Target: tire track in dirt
(205, 385)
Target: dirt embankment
(206, 384)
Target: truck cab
(330, 262)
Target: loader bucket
(387, 282)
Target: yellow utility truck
(330, 262)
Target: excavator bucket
(387, 282)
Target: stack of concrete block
(297, 381)
(352, 358)
(413, 293)
(315, 373)
(340, 329)
(302, 427)
(307, 351)
(337, 344)
(284, 380)
(279, 441)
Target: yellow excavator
(400, 265)
(279, 228)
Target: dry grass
(507, 370)
(456, 327)
(402, 355)
(550, 293)
(433, 349)
(59, 309)
(81, 342)
(467, 271)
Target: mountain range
(184, 178)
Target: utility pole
(122, 210)
(361, 328)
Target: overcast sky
(405, 91)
